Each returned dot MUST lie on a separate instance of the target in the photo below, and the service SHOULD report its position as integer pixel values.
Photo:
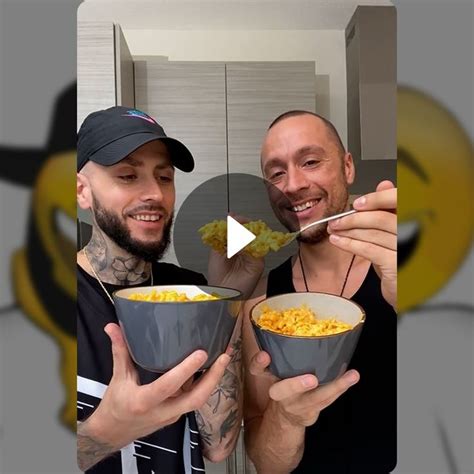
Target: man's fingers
(188, 384)
(377, 255)
(122, 363)
(381, 220)
(195, 398)
(382, 199)
(327, 394)
(259, 363)
(376, 237)
(385, 184)
(294, 386)
(185, 388)
(174, 379)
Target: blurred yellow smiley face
(55, 214)
(436, 199)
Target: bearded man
(161, 424)
(294, 424)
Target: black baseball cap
(108, 136)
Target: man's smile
(303, 206)
(304, 210)
(148, 220)
(147, 217)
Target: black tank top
(357, 433)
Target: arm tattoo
(218, 420)
(227, 388)
(205, 429)
(90, 451)
(236, 350)
(228, 423)
(230, 383)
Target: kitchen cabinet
(221, 112)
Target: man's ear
(349, 169)
(84, 193)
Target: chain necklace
(98, 279)
(345, 279)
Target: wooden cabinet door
(257, 92)
(95, 68)
(124, 73)
(188, 100)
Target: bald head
(332, 133)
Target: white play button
(237, 237)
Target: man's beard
(111, 224)
(320, 232)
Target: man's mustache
(286, 202)
(148, 208)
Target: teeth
(407, 230)
(304, 206)
(66, 225)
(141, 217)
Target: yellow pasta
(214, 234)
(170, 296)
(299, 322)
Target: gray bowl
(327, 357)
(161, 335)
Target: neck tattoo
(98, 279)
(112, 264)
(345, 279)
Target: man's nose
(296, 181)
(152, 191)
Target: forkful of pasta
(214, 234)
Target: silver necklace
(98, 279)
(345, 279)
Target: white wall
(325, 47)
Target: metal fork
(312, 224)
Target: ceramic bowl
(327, 357)
(160, 335)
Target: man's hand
(240, 272)
(299, 400)
(129, 410)
(372, 234)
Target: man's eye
(127, 177)
(166, 179)
(311, 162)
(276, 175)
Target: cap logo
(139, 114)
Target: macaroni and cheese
(170, 296)
(299, 321)
(214, 234)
